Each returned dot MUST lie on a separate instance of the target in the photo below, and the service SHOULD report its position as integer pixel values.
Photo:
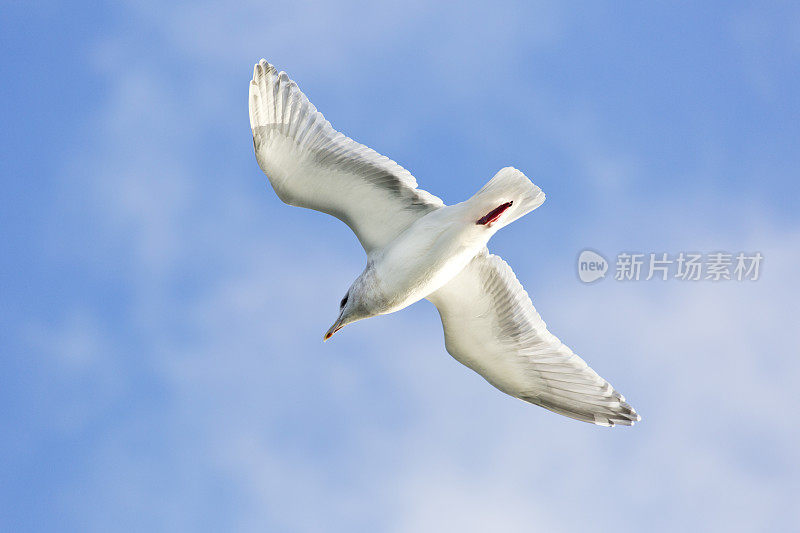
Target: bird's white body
(431, 252)
(423, 258)
(417, 247)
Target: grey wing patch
(380, 171)
(392, 179)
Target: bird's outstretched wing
(310, 164)
(491, 326)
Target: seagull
(417, 247)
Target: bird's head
(351, 308)
(363, 300)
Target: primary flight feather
(418, 247)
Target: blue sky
(162, 311)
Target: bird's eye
(344, 301)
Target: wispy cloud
(184, 382)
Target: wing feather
(310, 164)
(491, 326)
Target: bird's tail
(506, 197)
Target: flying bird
(417, 247)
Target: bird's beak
(334, 328)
